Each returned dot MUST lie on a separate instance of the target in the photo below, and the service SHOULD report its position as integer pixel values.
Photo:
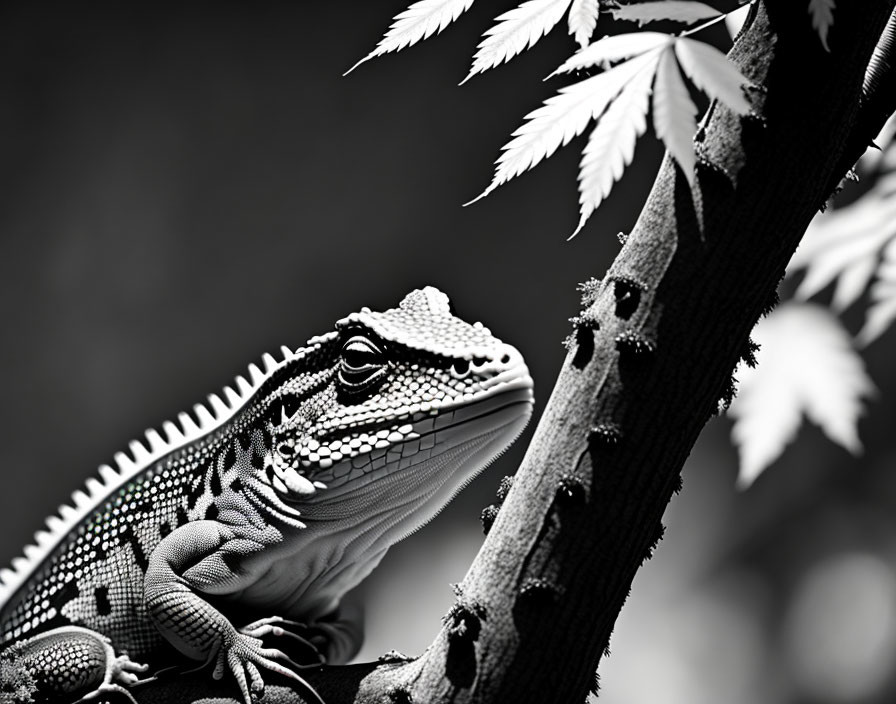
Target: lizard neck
(349, 533)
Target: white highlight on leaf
(675, 10)
(609, 50)
(845, 245)
(882, 310)
(735, 20)
(516, 30)
(713, 73)
(822, 13)
(560, 118)
(673, 113)
(420, 21)
(806, 366)
(611, 144)
(583, 20)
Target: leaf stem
(708, 23)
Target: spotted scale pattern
(280, 500)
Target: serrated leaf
(609, 50)
(673, 113)
(806, 366)
(734, 21)
(675, 10)
(822, 13)
(516, 30)
(560, 118)
(882, 311)
(420, 21)
(845, 245)
(583, 19)
(713, 73)
(611, 144)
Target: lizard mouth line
(471, 409)
(433, 436)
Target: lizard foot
(244, 655)
(122, 673)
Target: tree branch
(652, 354)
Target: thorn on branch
(504, 487)
(589, 290)
(464, 619)
(654, 541)
(633, 343)
(539, 590)
(607, 434)
(729, 391)
(771, 302)
(679, 483)
(488, 516)
(570, 490)
(595, 685)
(658, 534)
(748, 354)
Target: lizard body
(275, 501)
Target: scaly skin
(276, 504)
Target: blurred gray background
(185, 187)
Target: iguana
(268, 504)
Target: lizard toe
(262, 623)
(238, 671)
(125, 671)
(246, 657)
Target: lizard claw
(243, 657)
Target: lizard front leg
(193, 560)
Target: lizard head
(395, 408)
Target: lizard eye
(361, 364)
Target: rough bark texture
(653, 353)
